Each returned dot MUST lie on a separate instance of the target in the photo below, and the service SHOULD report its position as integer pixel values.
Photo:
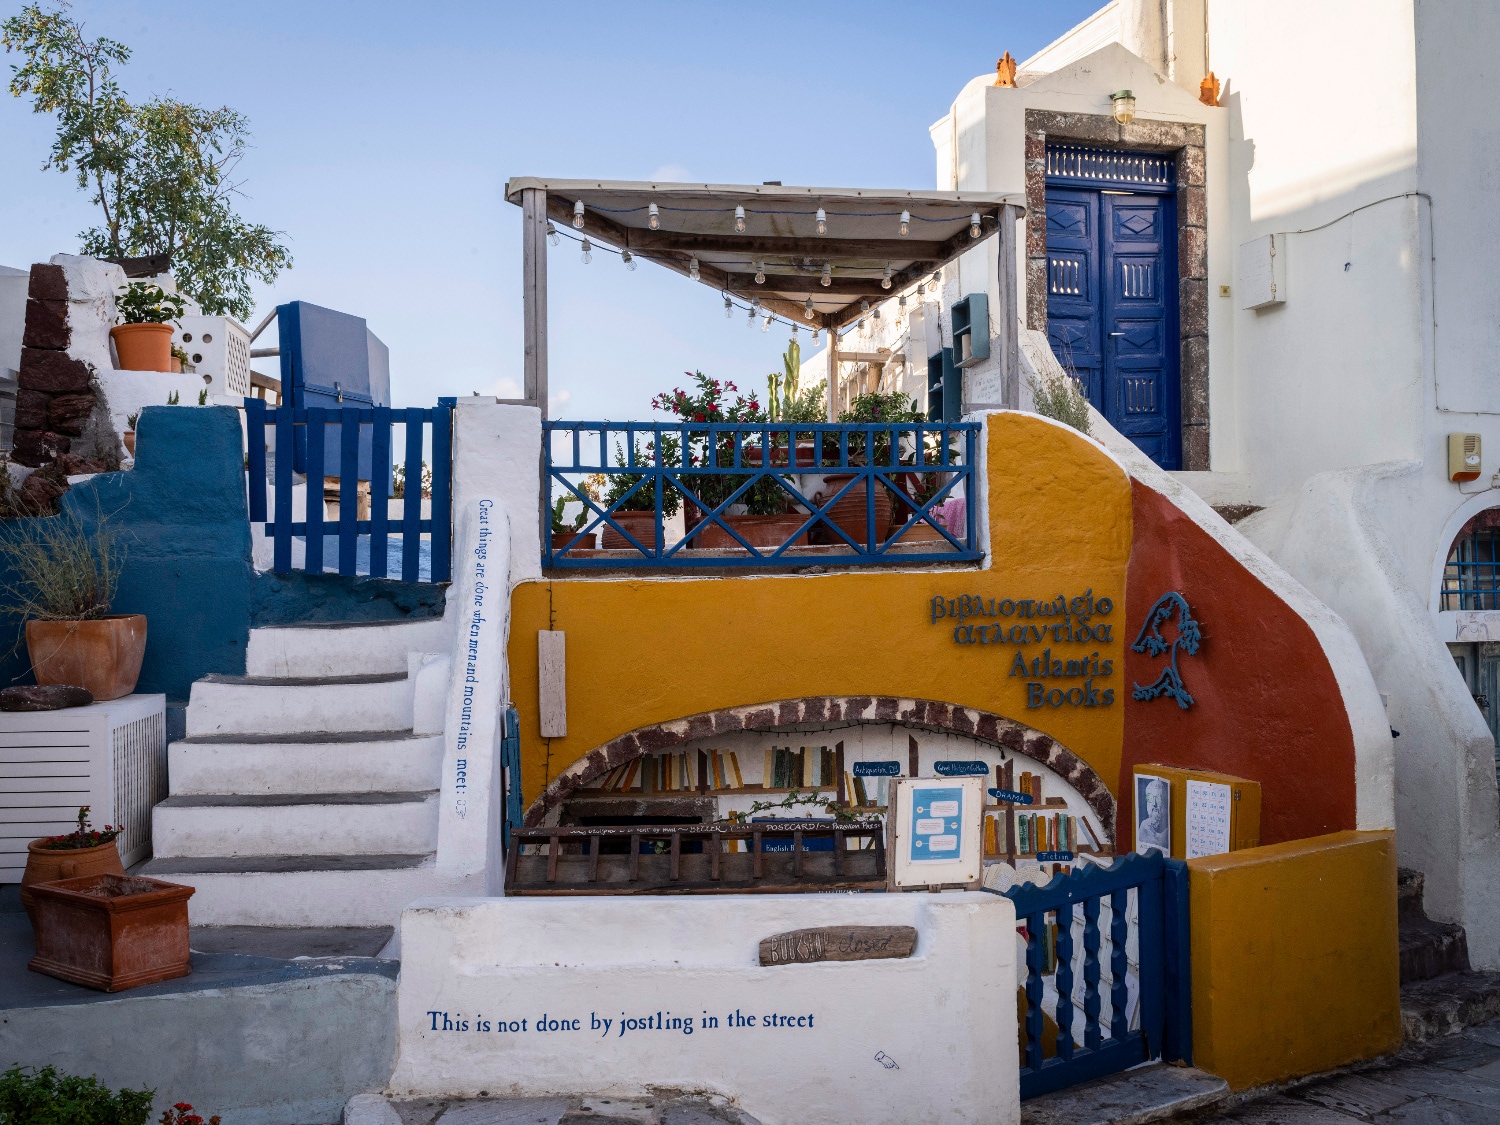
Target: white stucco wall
(922, 1040)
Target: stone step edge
(304, 738)
(220, 680)
(1447, 1004)
(283, 864)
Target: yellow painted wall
(647, 651)
(1294, 957)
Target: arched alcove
(831, 711)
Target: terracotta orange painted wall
(647, 651)
(1267, 706)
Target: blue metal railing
(314, 434)
(849, 494)
(1163, 1027)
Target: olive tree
(161, 172)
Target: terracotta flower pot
(130, 442)
(44, 865)
(103, 655)
(641, 525)
(851, 513)
(758, 531)
(111, 932)
(561, 539)
(143, 347)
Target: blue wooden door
(1112, 307)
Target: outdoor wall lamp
(578, 214)
(1122, 104)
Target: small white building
(1276, 277)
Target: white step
(307, 891)
(385, 761)
(263, 705)
(360, 649)
(309, 824)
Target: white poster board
(1208, 814)
(936, 837)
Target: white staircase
(301, 795)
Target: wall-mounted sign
(1069, 671)
(1054, 857)
(934, 840)
(961, 769)
(838, 943)
(1011, 795)
(877, 769)
(1187, 638)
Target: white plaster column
(496, 459)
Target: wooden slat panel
(380, 486)
(411, 517)
(281, 554)
(552, 682)
(348, 489)
(316, 429)
(442, 493)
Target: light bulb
(815, 337)
(728, 308)
(1122, 105)
(653, 217)
(822, 218)
(760, 273)
(765, 325)
(921, 289)
(578, 215)
(859, 326)
(827, 275)
(794, 333)
(901, 302)
(629, 259)
(876, 313)
(937, 277)
(864, 305)
(588, 251)
(552, 236)
(885, 280)
(905, 223)
(807, 309)
(693, 271)
(739, 220)
(974, 225)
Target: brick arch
(918, 714)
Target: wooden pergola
(726, 235)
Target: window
(1471, 579)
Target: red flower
(183, 1106)
(698, 418)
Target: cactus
(782, 387)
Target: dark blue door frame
(1112, 315)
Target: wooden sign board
(838, 943)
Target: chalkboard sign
(877, 769)
(961, 769)
(1054, 857)
(1011, 795)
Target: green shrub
(1059, 396)
(44, 1097)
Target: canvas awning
(862, 246)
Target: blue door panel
(1112, 309)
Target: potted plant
(851, 511)
(84, 851)
(143, 338)
(564, 533)
(111, 932)
(130, 421)
(635, 512)
(60, 578)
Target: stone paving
(1450, 1081)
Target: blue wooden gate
(513, 814)
(365, 546)
(1112, 316)
(1161, 1024)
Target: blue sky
(384, 134)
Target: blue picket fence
(1114, 1041)
(840, 493)
(357, 442)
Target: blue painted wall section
(183, 519)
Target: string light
(760, 273)
(974, 225)
(765, 325)
(739, 220)
(815, 337)
(921, 289)
(588, 251)
(693, 271)
(901, 302)
(807, 311)
(552, 236)
(876, 312)
(885, 280)
(578, 214)
(905, 223)
(728, 308)
(752, 312)
(653, 217)
(864, 305)
(827, 275)
(629, 259)
(822, 218)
